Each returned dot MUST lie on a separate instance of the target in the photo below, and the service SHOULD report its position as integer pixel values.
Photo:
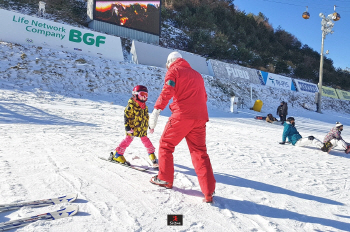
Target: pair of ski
(61, 213)
(128, 165)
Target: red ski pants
(195, 133)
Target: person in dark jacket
(282, 111)
(293, 136)
(188, 120)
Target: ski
(151, 165)
(61, 213)
(39, 203)
(125, 165)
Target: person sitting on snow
(333, 139)
(271, 118)
(295, 138)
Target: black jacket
(282, 109)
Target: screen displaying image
(139, 15)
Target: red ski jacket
(186, 87)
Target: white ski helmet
(172, 57)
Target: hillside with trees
(215, 29)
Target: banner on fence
(25, 29)
(329, 92)
(305, 87)
(233, 72)
(343, 95)
(277, 81)
(149, 54)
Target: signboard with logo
(277, 81)
(305, 87)
(233, 72)
(141, 15)
(24, 29)
(344, 95)
(329, 92)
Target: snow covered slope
(59, 112)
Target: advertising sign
(139, 15)
(305, 87)
(277, 81)
(329, 92)
(233, 72)
(148, 54)
(344, 95)
(24, 29)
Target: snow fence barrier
(152, 55)
(277, 81)
(343, 95)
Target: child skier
(136, 124)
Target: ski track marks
(266, 187)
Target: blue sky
(288, 15)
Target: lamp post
(327, 26)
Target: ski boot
(156, 181)
(208, 198)
(153, 159)
(118, 158)
(347, 151)
(327, 147)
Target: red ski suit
(188, 120)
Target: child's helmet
(140, 90)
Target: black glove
(311, 137)
(282, 143)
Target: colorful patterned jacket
(136, 118)
(334, 133)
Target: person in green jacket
(291, 133)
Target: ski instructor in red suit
(188, 120)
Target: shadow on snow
(241, 182)
(247, 207)
(22, 113)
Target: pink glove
(151, 131)
(130, 131)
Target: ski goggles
(143, 94)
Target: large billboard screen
(139, 15)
